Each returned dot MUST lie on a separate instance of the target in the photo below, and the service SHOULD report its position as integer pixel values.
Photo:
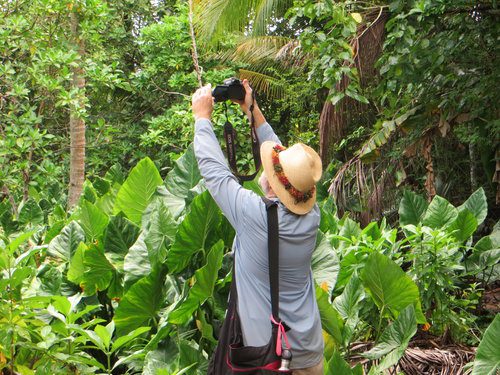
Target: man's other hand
(203, 103)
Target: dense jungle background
(113, 257)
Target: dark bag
(230, 356)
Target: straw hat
(292, 173)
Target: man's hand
(245, 105)
(203, 103)
(247, 102)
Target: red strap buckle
(281, 336)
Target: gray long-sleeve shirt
(246, 212)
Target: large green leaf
(30, 212)
(325, 263)
(138, 190)
(98, 271)
(411, 208)
(487, 360)
(140, 303)
(330, 319)
(174, 203)
(124, 340)
(463, 226)
(390, 287)
(350, 263)
(194, 233)
(166, 358)
(440, 213)
(120, 235)
(484, 261)
(349, 229)
(205, 279)
(76, 268)
(160, 231)
(92, 220)
(394, 339)
(136, 264)
(336, 365)
(185, 174)
(347, 304)
(65, 243)
(329, 220)
(477, 204)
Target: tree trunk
(76, 122)
(430, 186)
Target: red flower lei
(278, 169)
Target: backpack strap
(273, 254)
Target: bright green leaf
(477, 204)
(330, 319)
(411, 208)
(394, 339)
(463, 226)
(194, 233)
(185, 174)
(440, 213)
(92, 220)
(205, 279)
(65, 243)
(325, 263)
(140, 303)
(487, 360)
(138, 190)
(31, 213)
(390, 287)
(160, 231)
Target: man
(289, 177)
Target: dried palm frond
(271, 48)
(448, 360)
(256, 48)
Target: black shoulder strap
(230, 137)
(273, 254)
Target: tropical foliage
(136, 278)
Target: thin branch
(194, 53)
(168, 92)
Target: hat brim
(300, 208)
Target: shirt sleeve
(266, 133)
(229, 195)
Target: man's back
(298, 308)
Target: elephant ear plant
(136, 278)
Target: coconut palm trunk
(76, 122)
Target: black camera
(232, 89)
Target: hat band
(278, 169)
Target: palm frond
(264, 83)
(214, 17)
(256, 48)
(265, 11)
(263, 52)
